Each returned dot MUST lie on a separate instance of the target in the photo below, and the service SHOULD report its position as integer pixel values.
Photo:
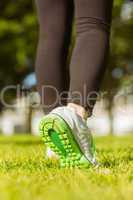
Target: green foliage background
(18, 38)
(18, 41)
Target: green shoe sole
(57, 135)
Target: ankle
(79, 110)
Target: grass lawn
(26, 175)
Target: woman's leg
(93, 18)
(64, 130)
(55, 20)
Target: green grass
(26, 175)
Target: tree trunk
(28, 120)
(111, 117)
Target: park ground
(25, 174)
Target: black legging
(88, 62)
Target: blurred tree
(120, 66)
(18, 37)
